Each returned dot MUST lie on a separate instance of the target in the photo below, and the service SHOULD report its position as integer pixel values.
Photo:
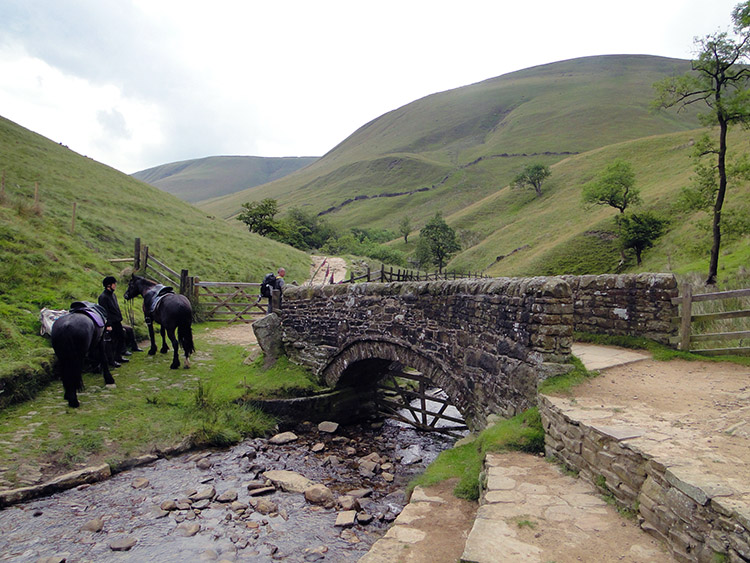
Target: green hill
(44, 264)
(206, 178)
(449, 150)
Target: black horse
(74, 336)
(171, 310)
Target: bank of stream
(205, 506)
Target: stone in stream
(204, 493)
(123, 544)
(348, 502)
(283, 438)
(93, 525)
(187, 530)
(168, 505)
(317, 448)
(204, 463)
(319, 494)
(346, 519)
(266, 506)
(140, 483)
(288, 481)
(229, 495)
(328, 427)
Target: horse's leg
(152, 350)
(175, 357)
(164, 347)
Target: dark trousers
(115, 342)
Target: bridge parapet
(486, 342)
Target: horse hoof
(174, 366)
(164, 350)
(109, 381)
(152, 351)
(74, 404)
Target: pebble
(123, 544)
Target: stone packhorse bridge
(487, 343)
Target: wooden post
(36, 195)
(73, 220)
(137, 255)
(275, 300)
(184, 282)
(687, 308)
(382, 273)
(368, 272)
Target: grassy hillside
(556, 234)
(44, 264)
(206, 178)
(449, 150)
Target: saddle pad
(47, 318)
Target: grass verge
(151, 408)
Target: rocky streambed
(315, 493)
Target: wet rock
(93, 525)
(331, 460)
(183, 505)
(201, 504)
(387, 477)
(288, 481)
(140, 483)
(364, 518)
(360, 493)
(208, 492)
(317, 448)
(187, 530)
(256, 484)
(123, 544)
(346, 519)
(168, 505)
(411, 455)
(368, 468)
(328, 427)
(350, 451)
(52, 559)
(283, 438)
(348, 502)
(238, 506)
(266, 506)
(349, 536)
(204, 463)
(373, 457)
(319, 494)
(227, 496)
(261, 491)
(340, 440)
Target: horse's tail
(185, 338)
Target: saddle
(93, 310)
(154, 296)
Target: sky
(138, 83)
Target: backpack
(267, 285)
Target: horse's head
(133, 289)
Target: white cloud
(139, 83)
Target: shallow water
(298, 531)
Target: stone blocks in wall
(626, 304)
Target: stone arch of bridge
(364, 362)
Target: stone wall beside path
(699, 518)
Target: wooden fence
(398, 275)
(228, 301)
(687, 321)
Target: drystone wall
(691, 516)
(626, 304)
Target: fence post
(687, 306)
(368, 272)
(275, 300)
(73, 220)
(137, 255)
(382, 273)
(184, 282)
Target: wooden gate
(396, 396)
(229, 302)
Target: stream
(147, 513)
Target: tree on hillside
(533, 176)
(404, 228)
(719, 79)
(614, 186)
(440, 240)
(259, 216)
(638, 231)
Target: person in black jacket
(116, 349)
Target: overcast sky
(138, 83)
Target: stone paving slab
(596, 357)
(532, 511)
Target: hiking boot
(122, 360)
(127, 353)
(115, 365)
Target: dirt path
(324, 269)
